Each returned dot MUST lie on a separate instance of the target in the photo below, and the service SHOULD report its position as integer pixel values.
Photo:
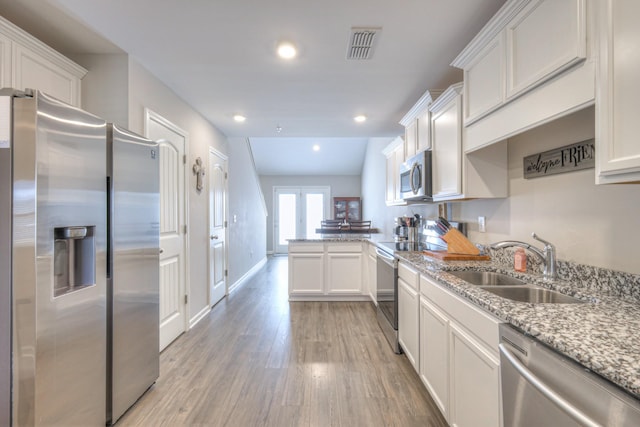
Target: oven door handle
(554, 397)
(385, 257)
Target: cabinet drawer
(481, 324)
(306, 247)
(344, 247)
(409, 275)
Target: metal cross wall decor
(198, 171)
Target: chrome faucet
(547, 254)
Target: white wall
(106, 86)
(589, 224)
(145, 90)
(248, 232)
(341, 186)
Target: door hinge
(225, 224)
(186, 299)
(226, 272)
(225, 175)
(184, 159)
(185, 229)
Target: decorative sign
(578, 156)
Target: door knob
(161, 250)
(214, 237)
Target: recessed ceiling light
(316, 147)
(286, 50)
(361, 118)
(239, 118)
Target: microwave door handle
(414, 167)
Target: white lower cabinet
(434, 362)
(306, 269)
(327, 271)
(409, 317)
(344, 273)
(372, 265)
(474, 381)
(459, 359)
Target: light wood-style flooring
(259, 360)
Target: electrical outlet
(482, 224)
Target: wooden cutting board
(446, 256)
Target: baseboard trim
(324, 298)
(248, 275)
(198, 317)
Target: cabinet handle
(213, 237)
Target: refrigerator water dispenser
(74, 259)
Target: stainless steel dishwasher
(543, 388)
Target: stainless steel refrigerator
(53, 247)
(133, 268)
(79, 264)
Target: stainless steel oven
(387, 295)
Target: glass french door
(298, 211)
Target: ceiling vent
(361, 42)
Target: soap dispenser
(520, 260)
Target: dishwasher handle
(385, 257)
(554, 397)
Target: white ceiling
(218, 55)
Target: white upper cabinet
(446, 128)
(5, 61)
(394, 154)
(545, 38)
(532, 63)
(417, 123)
(618, 103)
(27, 63)
(484, 88)
(458, 175)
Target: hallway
(258, 360)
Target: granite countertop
(602, 334)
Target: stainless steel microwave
(416, 178)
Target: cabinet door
(475, 382)
(344, 273)
(5, 61)
(410, 139)
(408, 322)
(424, 132)
(446, 127)
(545, 38)
(484, 81)
(34, 71)
(617, 147)
(306, 274)
(434, 354)
(399, 159)
(373, 277)
(390, 193)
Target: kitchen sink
(533, 294)
(511, 288)
(487, 278)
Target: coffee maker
(407, 228)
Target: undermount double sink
(511, 288)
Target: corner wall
(247, 213)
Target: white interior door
(217, 227)
(297, 213)
(173, 263)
